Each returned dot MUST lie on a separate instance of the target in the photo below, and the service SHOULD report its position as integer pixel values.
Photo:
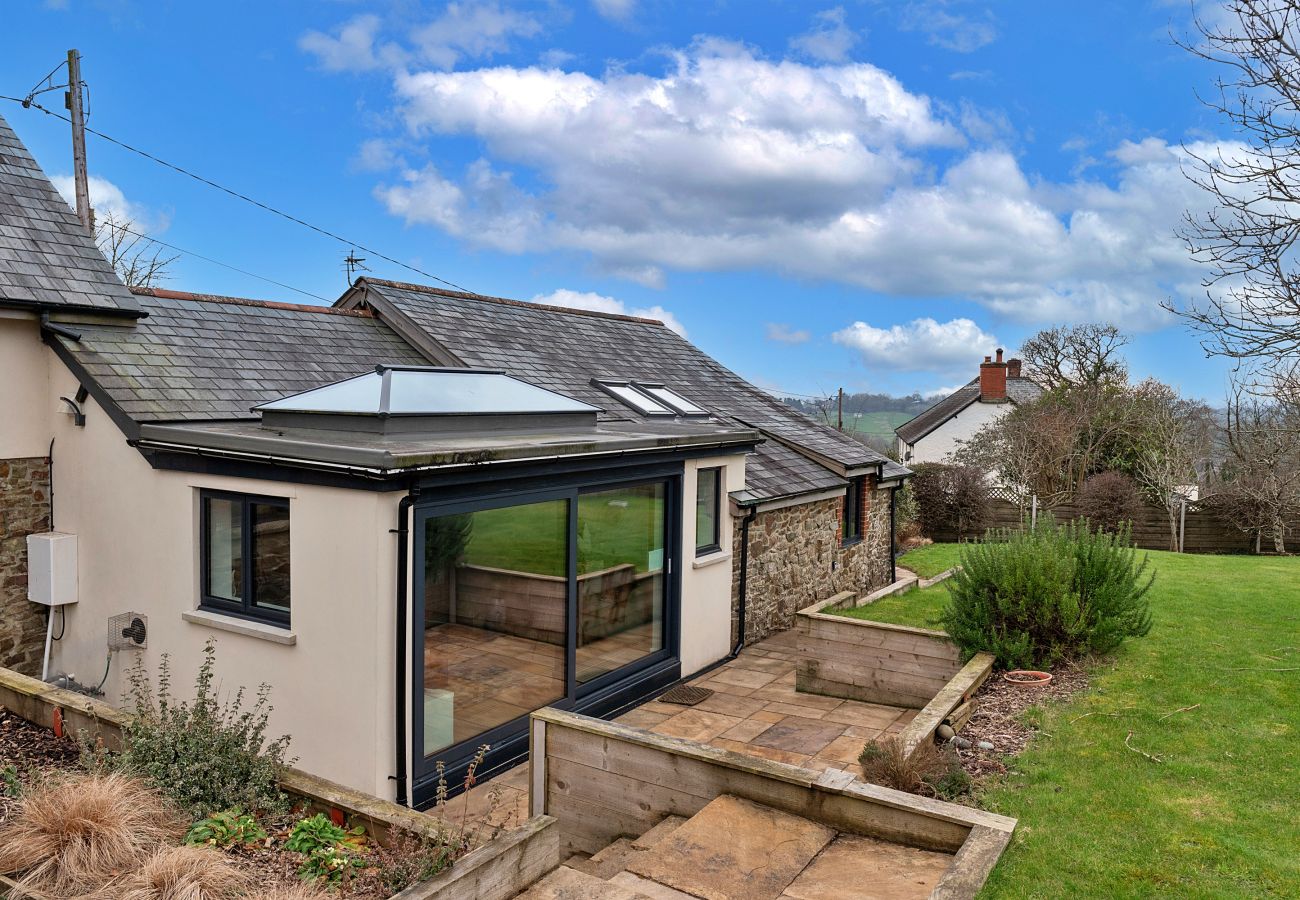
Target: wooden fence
(1202, 529)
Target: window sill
(712, 559)
(246, 627)
(852, 542)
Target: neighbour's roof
(1019, 390)
(200, 356)
(567, 350)
(47, 261)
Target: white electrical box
(52, 568)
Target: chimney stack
(993, 379)
(1013, 368)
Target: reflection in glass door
(621, 584)
(495, 618)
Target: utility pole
(72, 100)
(839, 416)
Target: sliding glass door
(560, 598)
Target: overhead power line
(30, 104)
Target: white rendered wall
(27, 410)
(706, 581)
(940, 444)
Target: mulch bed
(998, 717)
(34, 752)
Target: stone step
(651, 838)
(609, 861)
(565, 883)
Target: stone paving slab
(860, 868)
(733, 849)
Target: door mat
(685, 695)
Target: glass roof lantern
(410, 399)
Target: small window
(853, 511)
(708, 511)
(245, 556)
(679, 404)
(638, 400)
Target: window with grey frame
(708, 511)
(244, 556)
(852, 518)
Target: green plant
(1034, 596)
(950, 500)
(225, 829)
(332, 852)
(203, 753)
(10, 785)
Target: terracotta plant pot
(1027, 677)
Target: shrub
(951, 501)
(70, 835)
(181, 873)
(330, 850)
(1034, 596)
(1109, 501)
(931, 770)
(205, 754)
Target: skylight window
(638, 400)
(677, 402)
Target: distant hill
(870, 414)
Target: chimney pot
(988, 359)
(1013, 368)
(999, 354)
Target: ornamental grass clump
(206, 754)
(181, 873)
(1036, 596)
(71, 835)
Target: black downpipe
(893, 536)
(742, 594)
(403, 534)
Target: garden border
(497, 870)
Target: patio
(754, 709)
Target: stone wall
(24, 510)
(796, 558)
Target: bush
(1035, 596)
(1109, 500)
(931, 770)
(205, 754)
(951, 501)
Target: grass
(930, 560)
(1203, 694)
(920, 609)
(879, 423)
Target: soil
(998, 718)
(34, 752)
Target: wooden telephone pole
(72, 100)
(839, 415)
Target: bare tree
(1075, 355)
(1251, 310)
(1174, 439)
(1260, 480)
(138, 259)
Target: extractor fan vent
(128, 631)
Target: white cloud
(936, 393)
(786, 334)
(922, 345)
(594, 302)
(107, 199)
(351, 48)
(830, 38)
(728, 160)
(471, 29)
(618, 10)
(945, 26)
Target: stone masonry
(24, 510)
(796, 558)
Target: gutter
(403, 544)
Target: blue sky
(867, 194)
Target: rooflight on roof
(679, 403)
(637, 399)
(417, 391)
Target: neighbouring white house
(419, 515)
(934, 435)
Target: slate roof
(564, 349)
(1019, 390)
(206, 357)
(46, 260)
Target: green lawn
(1217, 815)
(881, 423)
(916, 608)
(932, 559)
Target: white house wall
(137, 530)
(26, 406)
(706, 582)
(940, 444)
